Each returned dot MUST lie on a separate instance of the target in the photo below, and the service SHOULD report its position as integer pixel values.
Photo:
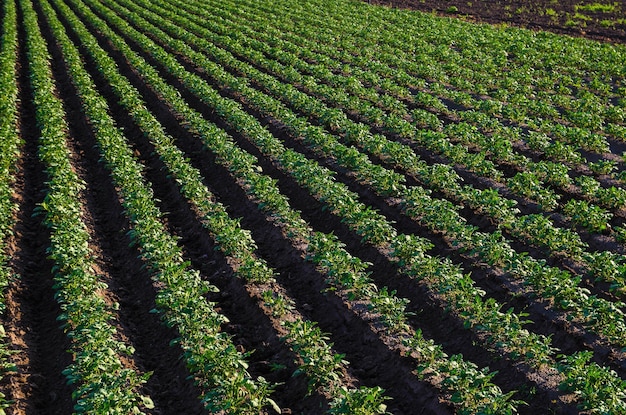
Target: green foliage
(279, 304)
(103, 385)
(362, 401)
(9, 152)
(527, 184)
(594, 218)
(320, 364)
(597, 7)
(366, 104)
(601, 388)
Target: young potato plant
(9, 152)
(589, 216)
(602, 390)
(318, 362)
(228, 154)
(365, 401)
(608, 266)
(218, 368)
(528, 185)
(107, 386)
(435, 362)
(269, 147)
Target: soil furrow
(477, 352)
(119, 265)
(541, 315)
(30, 321)
(305, 289)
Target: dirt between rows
(371, 361)
(39, 344)
(32, 309)
(445, 330)
(581, 18)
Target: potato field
(307, 207)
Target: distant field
(602, 20)
(307, 207)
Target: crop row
(274, 150)
(537, 230)
(319, 362)
(9, 151)
(343, 271)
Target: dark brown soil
(371, 361)
(30, 321)
(570, 17)
(39, 386)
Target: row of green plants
(218, 368)
(471, 67)
(386, 183)
(611, 196)
(103, 383)
(319, 362)
(315, 177)
(10, 143)
(207, 67)
(345, 273)
(536, 229)
(526, 183)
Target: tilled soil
(39, 387)
(562, 16)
